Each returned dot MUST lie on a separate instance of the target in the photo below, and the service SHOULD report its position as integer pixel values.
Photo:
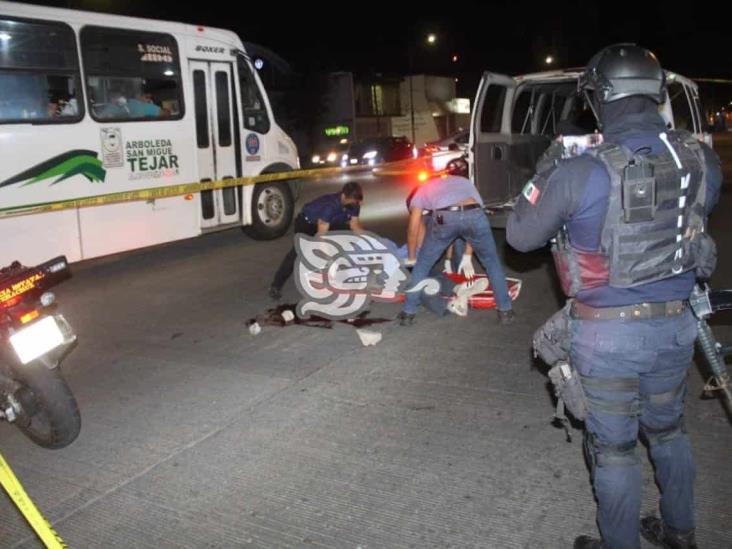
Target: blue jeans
(473, 227)
(654, 355)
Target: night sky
(510, 37)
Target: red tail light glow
(11, 302)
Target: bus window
(39, 73)
(201, 108)
(253, 108)
(131, 75)
(223, 109)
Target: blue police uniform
(632, 370)
(327, 208)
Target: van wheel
(272, 208)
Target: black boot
(654, 531)
(587, 542)
(405, 319)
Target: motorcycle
(35, 338)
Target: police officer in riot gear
(628, 223)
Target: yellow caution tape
(167, 191)
(24, 504)
(182, 189)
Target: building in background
(421, 107)
(324, 112)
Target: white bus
(93, 104)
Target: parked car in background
(441, 152)
(330, 156)
(377, 150)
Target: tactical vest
(654, 226)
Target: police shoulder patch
(531, 192)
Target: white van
(93, 104)
(515, 119)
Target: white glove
(447, 269)
(466, 268)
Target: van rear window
(39, 72)
(131, 75)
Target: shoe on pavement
(506, 317)
(275, 293)
(588, 542)
(653, 530)
(458, 306)
(405, 319)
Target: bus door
(215, 139)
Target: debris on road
(368, 337)
(284, 315)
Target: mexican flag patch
(531, 192)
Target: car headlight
(332, 157)
(369, 155)
(316, 159)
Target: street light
(549, 60)
(431, 40)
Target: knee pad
(621, 454)
(664, 435)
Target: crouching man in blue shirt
(336, 211)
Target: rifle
(704, 302)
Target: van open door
(490, 138)
(682, 108)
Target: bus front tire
(272, 209)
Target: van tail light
(27, 317)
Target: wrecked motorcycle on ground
(35, 339)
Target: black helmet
(624, 70)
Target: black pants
(301, 225)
